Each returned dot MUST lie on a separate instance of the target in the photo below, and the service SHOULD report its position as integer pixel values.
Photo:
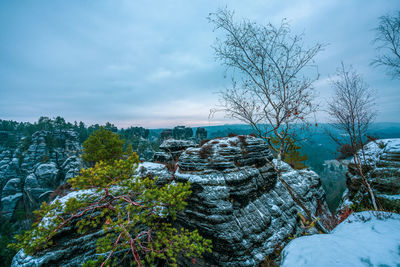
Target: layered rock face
(381, 166)
(36, 167)
(239, 203)
(171, 149)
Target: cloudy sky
(150, 63)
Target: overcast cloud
(150, 63)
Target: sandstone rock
(382, 169)
(71, 167)
(162, 157)
(41, 162)
(182, 132)
(47, 175)
(201, 134)
(239, 203)
(175, 147)
(179, 133)
(11, 194)
(152, 170)
(166, 134)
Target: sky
(151, 64)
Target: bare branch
(272, 92)
(387, 41)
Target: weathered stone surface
(144, 149)
(152, 170)
(162, 157)
(11, 194)
(173, 148)
(40, 163)
(239, 203)
(382, 169)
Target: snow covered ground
(363, 239)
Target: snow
(48, 220)
(363, 239)
(390, 197)
(373, 150)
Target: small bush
(233, 143)
(136, 215)
(203, 142)
(205, 151)
(381, 145)
(242, 139)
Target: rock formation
(201, 134)
(237, 201)
(36, 167)
(184, 133)
(171, 149)
(382, 169)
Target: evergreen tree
(102, 145)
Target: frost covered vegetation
(135, 215)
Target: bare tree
(388, 41)
(272, 93)
(352, 111)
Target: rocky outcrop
(38, 165)
(201, 134)
(171, 150)
(381, 166)
(239, 203)
(144, 149)
(184, 133)
(155, 171)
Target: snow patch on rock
(363, 239)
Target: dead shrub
(242, 139)
(205, 151)
(203, 142)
